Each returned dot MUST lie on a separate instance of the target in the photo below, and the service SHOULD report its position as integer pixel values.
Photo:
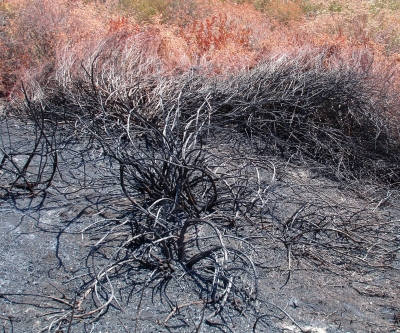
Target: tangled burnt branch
(189, 195)
(307, 113)
(335, 120)
(182, 209)
(26, 165)
(194, 161)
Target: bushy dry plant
(361, 22)
(38, 31)
(166, 11)
(54, 36)
(283, 11)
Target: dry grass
(48, 42)
(42, 37)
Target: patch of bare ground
(341, 279)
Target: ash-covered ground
(325, 253)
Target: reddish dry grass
(52, 38)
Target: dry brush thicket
(200, 161)
(43, 38)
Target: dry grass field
(48, 39)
